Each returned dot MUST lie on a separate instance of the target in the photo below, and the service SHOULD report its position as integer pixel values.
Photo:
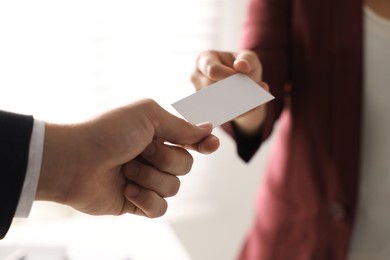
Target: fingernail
(205, 125)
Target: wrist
(250, 123)
(61, 153)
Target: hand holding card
(223, 100)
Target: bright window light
(67, 60)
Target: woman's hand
(213, 66)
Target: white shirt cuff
(30, 184)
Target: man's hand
(124, 161)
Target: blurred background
(65, 61)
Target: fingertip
(217, 142)
(242, 65)
(264, 85)
(209, 145)
(205, 125)
(144, 202)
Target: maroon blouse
(311, 53)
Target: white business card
(222, 101)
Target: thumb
(248, 63)
(176, 130)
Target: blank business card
(222, 101)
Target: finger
(264, 85)
(200, 81)
(148, 177)
(168, 158)
(130, 208)
(215, 65)
(143, 202)
(171, 128)
(207, 146)
(247, 62)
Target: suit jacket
(311, 52)
(15, 134)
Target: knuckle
(199, 80)
(194, 77)
(206, 53)
(168, 161)
(149, 103)
(147, 106)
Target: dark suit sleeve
(15, 134)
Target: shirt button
(337, 210)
